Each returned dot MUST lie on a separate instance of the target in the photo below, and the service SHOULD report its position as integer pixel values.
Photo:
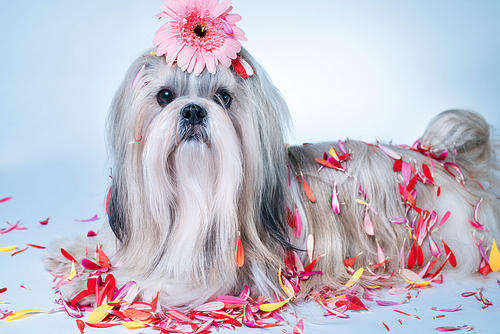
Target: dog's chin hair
(190, 190)
(187, 132)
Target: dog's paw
(54, 260)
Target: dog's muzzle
(192, 123)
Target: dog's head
(197, 159)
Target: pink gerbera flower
(202, 33)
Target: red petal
(45, 222)
(109, 287)
(238, 68)
(311, 265)
(412, 183)
(386, 327)
(350, 261)
(412, 257)
(80, 296)
(67, 255)
(5, 199)
(485, 270)
(20, 251)
(397, 165)
(420, 255)
(452, 259)
(427, 173)
(108, 197)
(35, 246)
(155, 301)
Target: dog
(201, 169)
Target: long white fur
(178, 206)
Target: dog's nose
(193, 114)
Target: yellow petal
(7, 249)
(333, 153)
(135, 324)
(3, 302)
(20, 314)
(494, 257)
(281, 281)
(73, 271)
(361, 202)
(100, 313)
(355, 277)
(273, 306)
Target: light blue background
(362, 69)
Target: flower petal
(494, 257)
(221, 8)
(273, 306)
(368, 225)
(298, 224)
(310, 246)
(240, 254)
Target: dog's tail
(469, 141)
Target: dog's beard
(192, 177)
(190, 132)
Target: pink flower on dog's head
(202, 33)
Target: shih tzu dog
(201, 164)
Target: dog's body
(209, 163)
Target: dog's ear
(119, 133)
(273, 123)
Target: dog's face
(198, 159)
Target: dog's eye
(224, 99)
(164, 97)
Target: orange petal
(81, 325)
(240, 254)
(103, 259)
(308, 191)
